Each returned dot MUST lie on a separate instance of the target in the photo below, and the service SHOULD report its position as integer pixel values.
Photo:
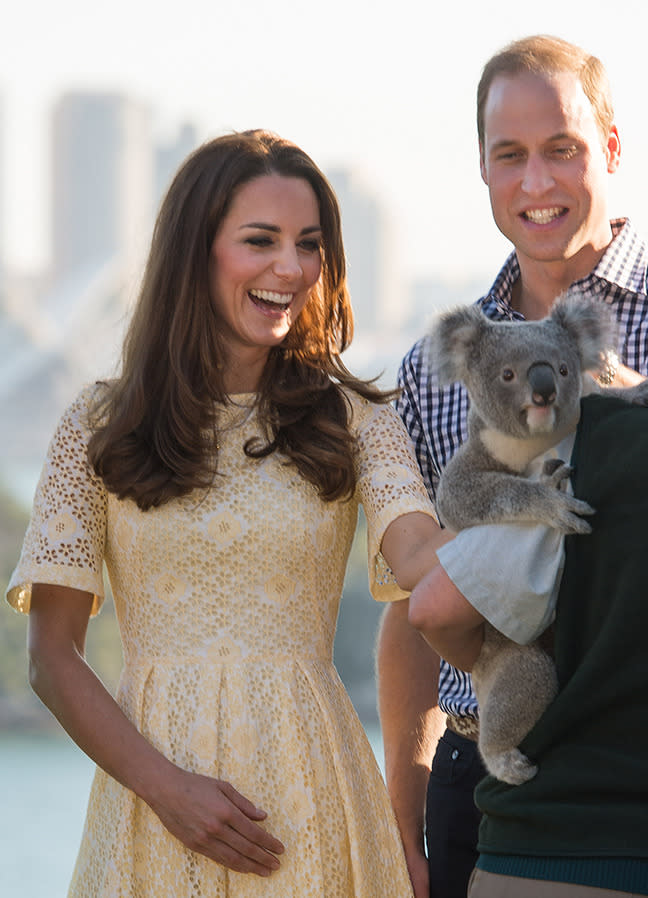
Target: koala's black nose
(542, 383)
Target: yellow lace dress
(227, 603)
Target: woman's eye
(259, 241)
(311, 246)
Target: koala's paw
(511, 767)
(570, 515)
(555, 472)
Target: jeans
(451, 818)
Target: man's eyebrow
(513, 142)
(503, 144)
(263, 226)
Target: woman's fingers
(209, 816)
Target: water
(44, 787)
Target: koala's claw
(555, 472)
(570, 518)
(551, 465)
(574, 524)
(567, 511)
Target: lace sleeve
(389, 485)
(64, 543)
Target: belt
(467, 727)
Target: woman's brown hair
(155, 427)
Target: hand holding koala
(525, 381)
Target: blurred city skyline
(99, 107)
(61, 325)
(381, 89)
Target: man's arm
(408, 673)
(408, 676)
(447, 620)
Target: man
(547, 144)
(579, 828)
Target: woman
(218, 477)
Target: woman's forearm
(207, 815)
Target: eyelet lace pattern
(227, 601)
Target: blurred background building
(62, 326)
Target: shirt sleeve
(510, 573)
(65, 539)
(389, 485)
(407, 405)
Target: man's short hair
(546, 55)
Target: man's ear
(613, 150)
(482, 164)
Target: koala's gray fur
(525, 381)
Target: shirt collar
(623, 264)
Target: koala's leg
(513, 684)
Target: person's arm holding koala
(447, 620)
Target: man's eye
(565, 152)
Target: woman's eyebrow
(276, 229)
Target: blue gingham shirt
(436, 416)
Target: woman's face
(263, 265)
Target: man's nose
(537, 176)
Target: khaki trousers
(493, 885)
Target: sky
(384, 88)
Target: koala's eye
(508, 375)
(563, 370)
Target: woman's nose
(287, 264)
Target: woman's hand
(207, 815)
(210, 817)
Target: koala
(525, 381)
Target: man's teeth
(281, 299)
(543, 216)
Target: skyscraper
(376, 292)
(3, 199)
(169, 155)
(102, 180)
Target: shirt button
(455, 754)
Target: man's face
(546, 163)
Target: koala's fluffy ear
(452, 341)
(588, 323)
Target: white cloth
(510, 572)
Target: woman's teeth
(269, 296)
